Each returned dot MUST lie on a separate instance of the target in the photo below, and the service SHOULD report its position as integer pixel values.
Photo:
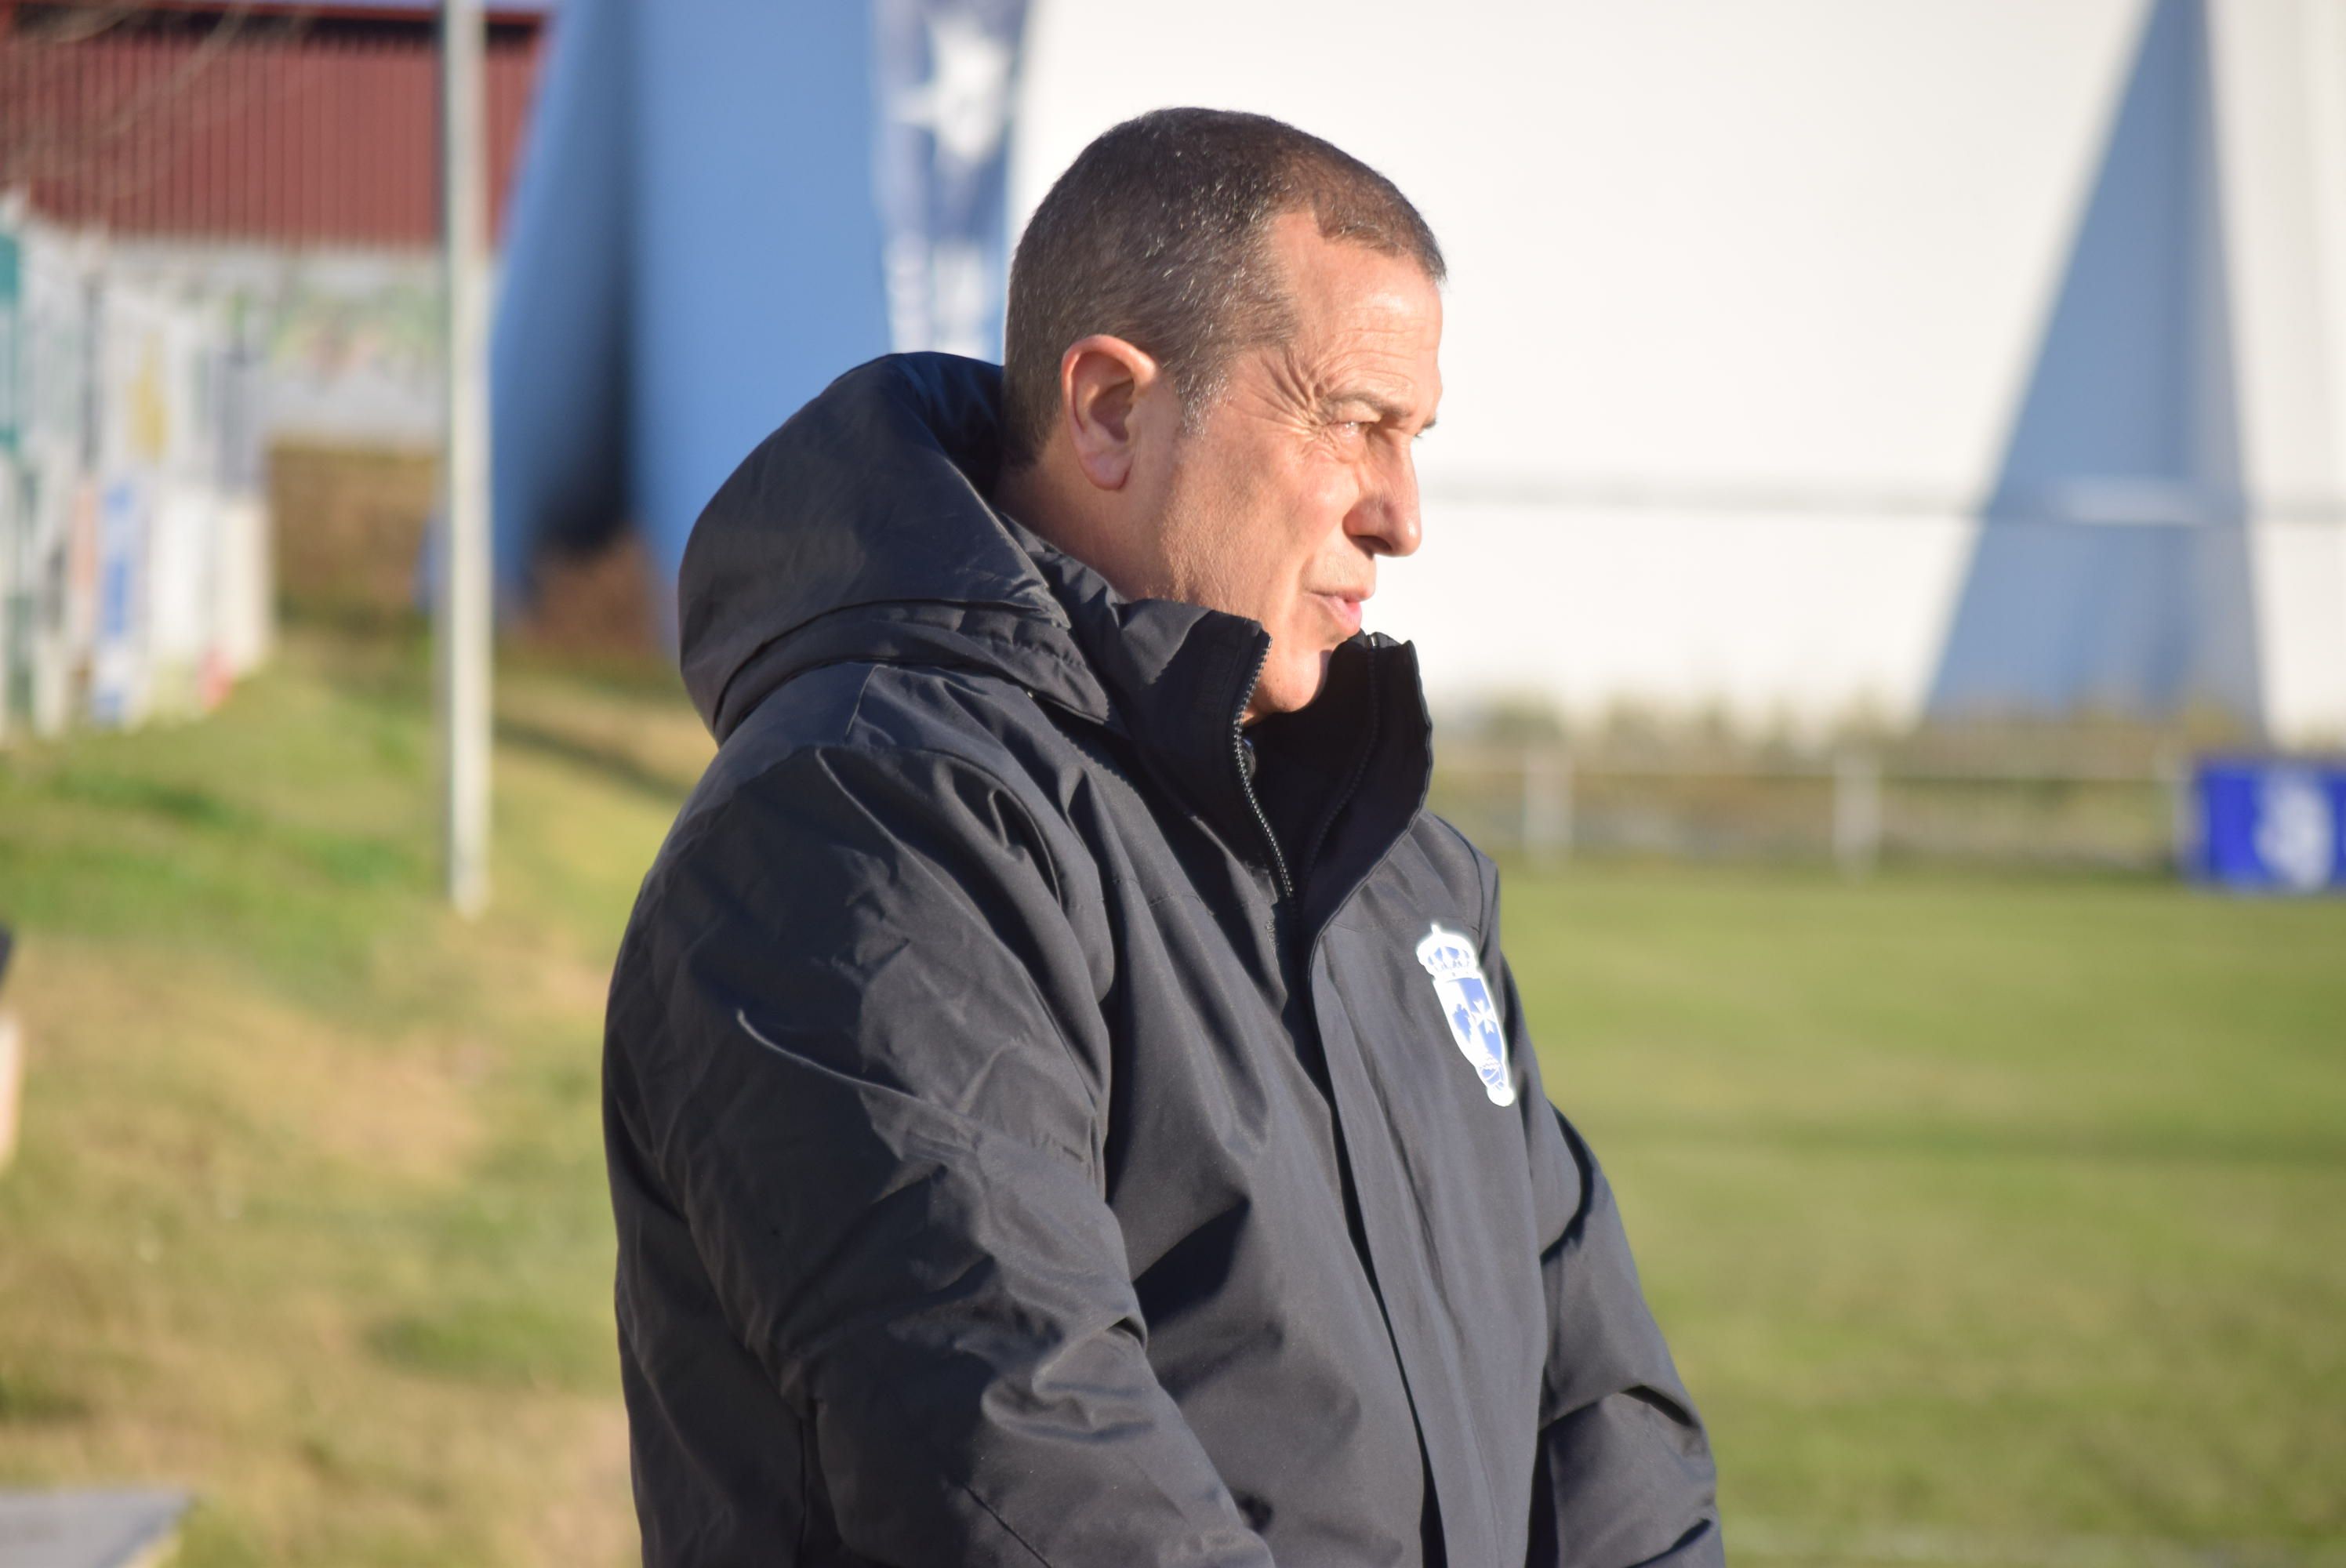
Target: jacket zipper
(1245, 779)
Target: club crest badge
(1449, 957)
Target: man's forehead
(1365, 323)
(1340, 272)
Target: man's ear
(1102, 380)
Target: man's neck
(1030, 495)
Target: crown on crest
(1447, 954)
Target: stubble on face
(1299, 475)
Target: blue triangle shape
(2111, 571)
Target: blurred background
(1884, 598)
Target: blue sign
(947, 71)
(2272, 825)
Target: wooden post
(1856, 812)
(1547, 804)
(2182, 811)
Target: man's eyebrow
(1389, 412)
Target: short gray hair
(1157, 234)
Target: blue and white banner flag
(947, 77)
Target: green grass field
(1996, 1220)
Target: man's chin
(1289, 687)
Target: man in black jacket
(1067, 1103)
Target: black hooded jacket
(1046, 1128)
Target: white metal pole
(463, 610)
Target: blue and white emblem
(1449, 957)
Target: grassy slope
(309, 1210)
(1983, 1214)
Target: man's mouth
(1344, 609)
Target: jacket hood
(860, 530)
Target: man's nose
(1385, 521)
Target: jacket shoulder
(871, 705)
(899, 721)
(1433, 872)
(1446, 846)
(1465, 867)
(972, 717)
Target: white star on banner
(965, 103)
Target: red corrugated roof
(308, 126)
(410, 12)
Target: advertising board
(2272, 824)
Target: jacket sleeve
(1624, 1474)
(871, 1084)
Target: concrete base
(89, 1529)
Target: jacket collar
(1319, 796)
(1175, 678)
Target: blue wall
(695, 252)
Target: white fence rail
(1854, 807)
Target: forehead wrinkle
(1362, 349)
(1383, 382)
(1287, 377)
